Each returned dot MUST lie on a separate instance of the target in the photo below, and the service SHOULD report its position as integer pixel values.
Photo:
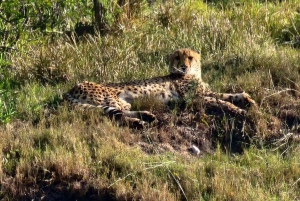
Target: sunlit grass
(250, 46)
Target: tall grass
(48, 148)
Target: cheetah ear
(170, 59)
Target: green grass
(251, 46)
(7, 93)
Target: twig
(279, 92)
(165, 165)
(170, 172)
(148, 168)
(296, 182)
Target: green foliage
(7, 93)
(112, 10)
(18, 19)
(7, 106)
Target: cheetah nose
(183, 68)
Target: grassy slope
(49, 149)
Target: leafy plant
(7, 94)
(19, 19)
(7, 106)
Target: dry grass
(50, 151)
(72, 155)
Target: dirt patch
(205, 130)
(62, 189)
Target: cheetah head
(185, 62)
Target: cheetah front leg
(142, 115)
(242, 100)
(137, 119)
(212, 102)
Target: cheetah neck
(186, 77)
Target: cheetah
(184, 73)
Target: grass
(251, 45)
(7, 92)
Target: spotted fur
(185, 73)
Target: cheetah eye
(177, 57)
(190, 58)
